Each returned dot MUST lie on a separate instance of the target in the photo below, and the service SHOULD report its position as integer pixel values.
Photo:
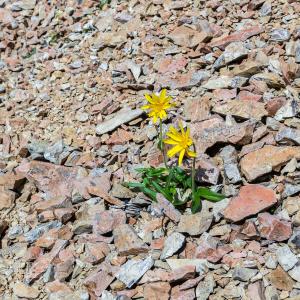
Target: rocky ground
(72, 79)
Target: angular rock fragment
(273, 228)
(127, 241)
(123, 116)
(215, 130)
(252, 199)
(172, 244)
(266, 159)
(281, 279)
(195, 224)
(286, 258)
(187, 37)
(133, 270)
(288, 135)
(247, 110)
(243, 274)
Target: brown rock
(266, 159)
(195, 224)
(57, 286)
(281, 279)
(252, 199)
(238, 36)
(197, 109)
(214, 130)
(157, 290)
(12, 181)
(273, 228)
(274, 105)
(247, 96)
(24, 291)
(187, 37)
(7, 198)
(127, 241)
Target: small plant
(174, 183)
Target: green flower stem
(161, 145)
(193, 176)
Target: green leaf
(196, 205)
(209, 195)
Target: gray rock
(231, 170)
(205, 287)
(56, 153)
(290, 189)
(121, 117)
(49, 274)
(133, 270)
(279, 35)
(286, 258)
(294, 240)
(243, 274)
(271, 262)
(289, 110)
(266, 9)
(271, 293)
(295, 272)
(234, 51)
(82, 116)
(14, 232)
(218, 208)
(76, 64)
(32, 235)
(172, 244)
(287, 134)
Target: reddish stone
(42, 263)
(171, 65)
(7, 198)
(273, 228)
(247, 96)
(98, 282)
(252, 199)
(64, 268)
(158, 244)
(96, 252)
(238, 36)
(157, 290)
(224, 94)
(182, 274)
(33, 253)
(274, 105)
(119, 137)
(12, 181)
(177, 294)
(249, 229)
(106, 221)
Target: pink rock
(273, 228)
(247, 96)
(168, 208)
(157, 290)
(106, 221)
(177, 294)
(97, 282)
(241, 35)
(41, 264)
(252, 199)
(182, 274)
(224, 94)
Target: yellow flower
(182, 141)
(158, 104)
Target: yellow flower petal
(163, 93)
(145, 107)
(174, 150)
(149, 98)
(191, 153)
(170, 142)
(181, 155)
(174, 137)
